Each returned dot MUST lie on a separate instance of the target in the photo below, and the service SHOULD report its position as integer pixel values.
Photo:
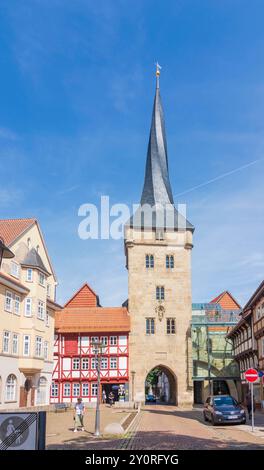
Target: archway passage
(161, 386)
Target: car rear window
(222, 401)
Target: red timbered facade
(81, 322)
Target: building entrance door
(198, 386)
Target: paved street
(165, 427)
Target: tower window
(150, 326)
(169, 261)
(149, 261)
(160, 293)
(171, 326)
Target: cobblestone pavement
(168, 428)
(59, 434)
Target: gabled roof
(34, 260)
(92, 320)
(259, 292)
(227, 301)
(11, 229)
(84, 297)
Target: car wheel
(205, 417)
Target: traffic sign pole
(252, 407)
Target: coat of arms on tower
(160, 310)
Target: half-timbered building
(82, 322)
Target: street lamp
(97, 349)
(4, 251)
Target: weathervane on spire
(158, 68)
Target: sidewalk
(59, 434)
(258, 425)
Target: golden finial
(158, 68)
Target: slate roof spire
(157, 193)
(33, 260)
(157, 188)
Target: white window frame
(94, 390)
(15, 272)
(11, 388)
(17, 301)
(104, 363)
(29, 275)
(85, 360)
(113, 340)
(85, 389)
(46, 350)
(76, 360)
(54, 390)
(38, 346)
(67, 389)
(9, 305)
(75, 386)
(42, 279)
(28, 303)
(15, 341)
(6, 342)
(104, 340)
(48, 290)
(26, 342)
(41, 310)
(113, 360)
(93, 363)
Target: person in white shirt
(78, 415)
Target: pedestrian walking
(104, 397)
(249, 403)
(78, 415)
(111, 398)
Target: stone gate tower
(158, 245)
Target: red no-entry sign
(251, 375)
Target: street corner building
(78, 326)
(27, 310)
(248, 343)
(158, 259)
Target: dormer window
(29, 275)
(14, 269)
(41, 279)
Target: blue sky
(76, 92)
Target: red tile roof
(11, 229)
(227, 301)
(84, 297)
(92, 320)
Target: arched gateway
(161, 386)
(158, 246)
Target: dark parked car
(223, 409)
(150, 398)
